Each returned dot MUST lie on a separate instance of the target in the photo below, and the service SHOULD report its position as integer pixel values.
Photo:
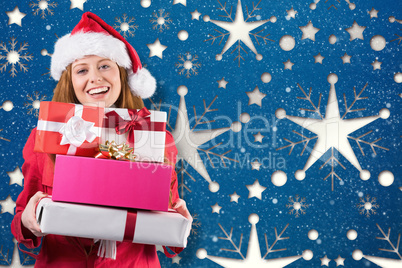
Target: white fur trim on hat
(142, 83)
(73, 47)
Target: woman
(94, 65)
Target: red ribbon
(129, 230)
(139, 120)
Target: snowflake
(1, 138)
(239, 30)
(124, 26)
(253, 257)
(34, 103)
(381, 261)
(161, 21)
(296, 206)
(332, 131)
(195, 224)
(13, 57)
(188, 64)
(42, 6)
(367, 206)
(313, 5)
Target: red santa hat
(92, 36)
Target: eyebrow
(84, 63)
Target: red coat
(63, 251)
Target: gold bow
(111, 150)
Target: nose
(96, 77)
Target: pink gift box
(148, 227)
(110, 182)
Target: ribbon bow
(138, 118)
(111, 150)
(76, 131)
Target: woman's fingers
(181, 208)
(28, 216)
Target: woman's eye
(82, 71)
(104, 66)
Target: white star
(291, 13)
(77, 4)
(255, 190)
(195, 15)
(325, 261)
(339, 261)
(255, 96)
(376, 65)
(346, 58)
(356, 31)
(309, 31)
(373, 13)
(258, 137)
(183, 2)
(176, 259)
(318, 58)
(16, 176)
(255, 165)
(160, 248)
(156, 49)
(15, 16)
(222, 82)
(234, 197)
(239, 30)
(7, 205)
(332, 130)
(216, 208)
(288, 64)
(187, 140)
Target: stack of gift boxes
(110, 180)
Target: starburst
(297, 206)
(125, 26)
(33, 104)
(160, 22)
(368, 206)
(188, 64)
(240, 30)
(188, 141)
(333, 130)
(253, 257)
(14, 57)
(42, 6)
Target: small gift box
(145, 227)
(143, 130)
(67, 128)
(109, 182)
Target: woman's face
(96, 81)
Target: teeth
(97, 90)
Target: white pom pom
(142, 83)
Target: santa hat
(92, 36)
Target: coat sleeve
(171, 155)
(32, 184)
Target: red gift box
(67, 128)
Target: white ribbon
(76, 131)
(107, 248)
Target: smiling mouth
(98, 91)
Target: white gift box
(149, 142)
(151, 227)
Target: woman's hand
(28, 217)
(180, 207)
